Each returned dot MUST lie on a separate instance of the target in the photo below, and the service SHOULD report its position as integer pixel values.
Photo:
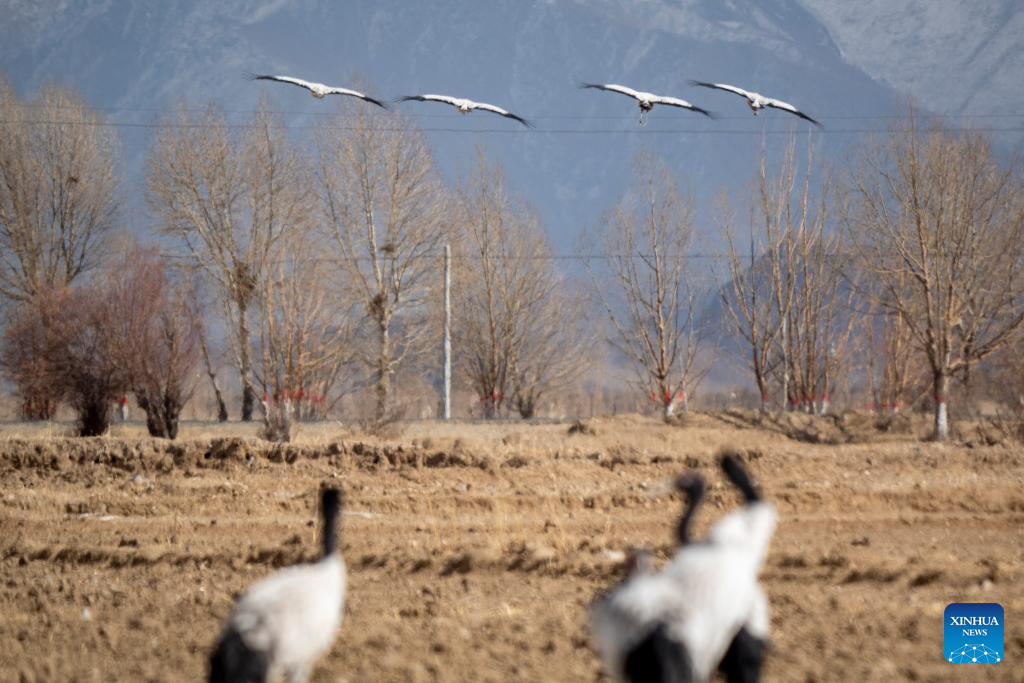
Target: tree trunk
(222, 408)
(527, 408)
(33, 409)
(668, 408)
(383, 372)
(248, 394)
(172, 414)
(94, 418)
(941, 382)
(154, 421)
(489, 402)
(162, 415)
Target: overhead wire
(500, 131)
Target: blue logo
(973, 633)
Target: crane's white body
(293, 615)
(706, 593)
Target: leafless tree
(554, 353)
(157, 323)
(305, 337)
(74, 350)
(788, 303)
(752, 304)
(228, 200)
(938, 224)
(887, 353)
(28, 336)
(384, 210)
(651, 298)
(517, 330)
(819, 313)
(58, 190)
(211, 373)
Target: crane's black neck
(740, 478)
(693, 489)
(330, 504)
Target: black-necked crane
(647, 100)
(318, 90)
(705, 610)
(285, 622)
(756, 101)
(465, 106)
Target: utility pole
(446, 398)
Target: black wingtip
(699, 83)
(405, 98)
(584, 86)
(805, 117)
(709, 114)
(734, 470)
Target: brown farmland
(474, 550)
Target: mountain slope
(953, 57)
(141, 59)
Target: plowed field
(474, 550)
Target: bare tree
(305, 337)
(788, 303)
(938, 225)
(891, 363)
(517, 329)
(74, 350)
(554, 353)
(751, 306)
(228, 200)
(158, 324)
(383, 207)
(28, 336)
(651, 299)
(211, 373)
(58, 190)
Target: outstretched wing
(612, 87)
(683, 104)
(786, 106)
(727, 88)
(503, 112)
(284, 79)
(354, 93)
(453, 101)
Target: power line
(477, 257)
(504, 131)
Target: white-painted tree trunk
(941, 416)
